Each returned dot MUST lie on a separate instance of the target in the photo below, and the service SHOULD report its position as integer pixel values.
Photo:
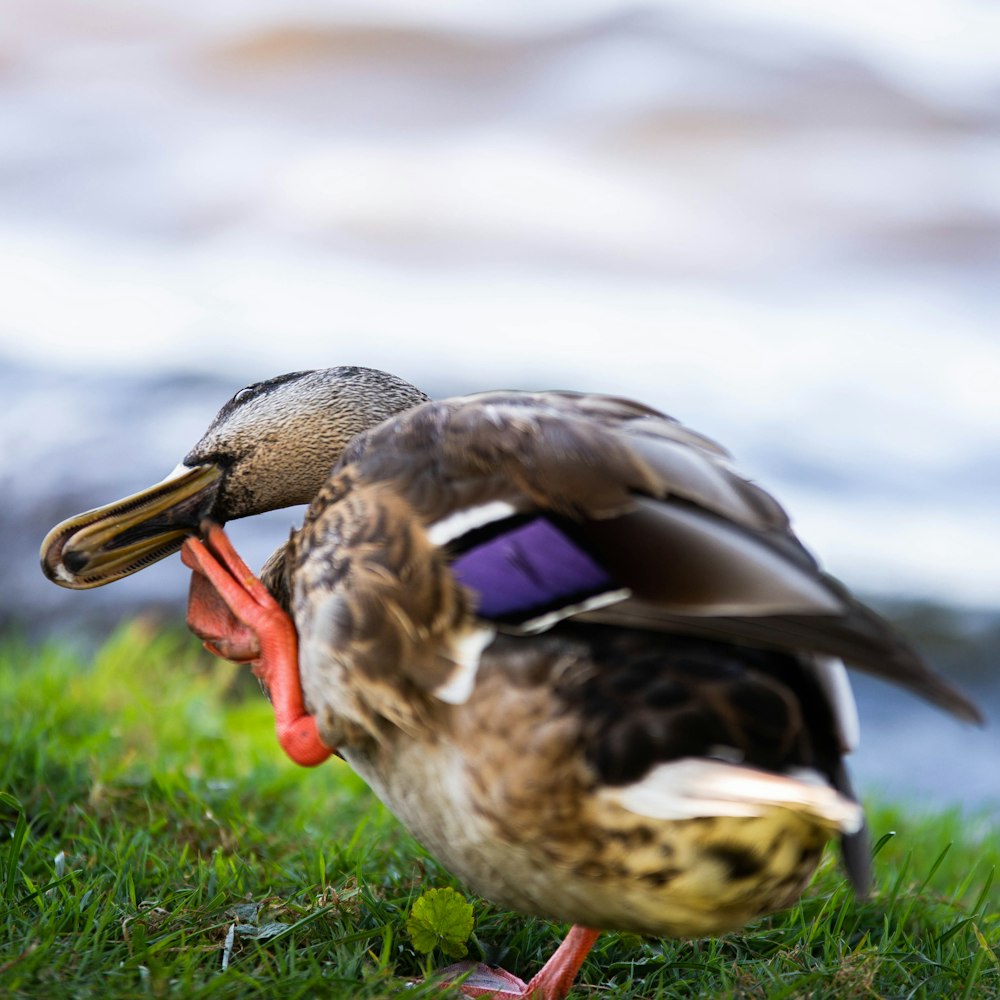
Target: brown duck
(580, 657)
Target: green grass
(146, 811)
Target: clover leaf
(440, 918)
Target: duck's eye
(244, 393)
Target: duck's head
(272, 445)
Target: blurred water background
(778, 222)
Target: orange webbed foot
(238, 619)
(212, 620)
(553, 982)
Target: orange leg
(553, 982)
(236, 616)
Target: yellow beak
(107, 543)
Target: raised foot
(238, 619)
(553, 982)
(482, 981)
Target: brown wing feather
(704, 550)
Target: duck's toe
(480, 980)
(553, 982)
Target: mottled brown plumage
(598, 461)
(585, 661)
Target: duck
(586, 662)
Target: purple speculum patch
(528, 569)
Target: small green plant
(441, 918)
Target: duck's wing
(557, 505)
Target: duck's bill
(105, 544)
